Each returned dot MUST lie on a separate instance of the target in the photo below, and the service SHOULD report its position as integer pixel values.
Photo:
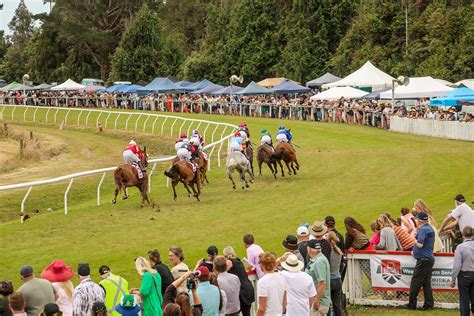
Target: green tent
(11, 86)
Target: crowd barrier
(215, 130)
(382, 278)
(443, 129)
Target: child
(375, 228)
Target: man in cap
(423, 253)
(114, 286)
(86, 293)
(300, 287)
(318, 268)
(37, 292)
(303, 237)
(208, 294)
(318, 230)
(462, 213)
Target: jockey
(132, 154)
(266, 138)
(196, 134)
(246, 136)
(236, 144)
(283, 135)
(183, 139)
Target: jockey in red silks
(132, 154)
(245, 134)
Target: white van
(92, 82)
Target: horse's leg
(242, 178)
(260, 168)
(117, 189)
(274, 172)
(288, 166)
(297, 164)
(229, 174)
(145, 195)
(281, 167)
(173, 184)
(293, 167)
(196, 192)
(125, 193)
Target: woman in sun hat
(60, 275)
(128, 306)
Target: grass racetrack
(345, 171)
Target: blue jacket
(286, 132)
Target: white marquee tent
(339, 92)
(419, 87)
(68, 85)
(366, 76)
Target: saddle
(139, 171)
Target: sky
(9, 6)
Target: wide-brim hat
(292, 264)
(318, 229)
(57, 271)
(290, 243)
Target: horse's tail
(172, 172)
(118, 175)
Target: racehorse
(249, 153)
(237, 161)
(202, 165)
(182, 171)
(284, 151)
(127, 176)
(264, 155)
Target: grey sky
(9, 6)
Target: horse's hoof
(233, 187)
(124, 197)
(174, 199)
(143, 205)
(114, 201)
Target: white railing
(155, 117)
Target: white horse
(237, 161)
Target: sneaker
(425, 308)
(407, 307)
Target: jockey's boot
(245, 155)
(140, 165)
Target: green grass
(345, 170)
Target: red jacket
(135, 150)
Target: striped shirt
(85, 295)
(405, 239)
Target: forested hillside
(195, 39)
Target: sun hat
(318, 229)
(26, 270)
(302, 231)
(314, 244)
(460, 198)
(422, 216)
(51, 309)
(292, 263)
(128, 306)
(57, 271)
(290, 243)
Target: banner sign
(394, 272)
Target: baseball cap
(313, 243)
(83, 269)
(422, 216)
(302, 231)
(460, 198)
(204, 271)
(51, 309)
(212, 250)
(329, 219)
(26, 270)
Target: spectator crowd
(305, 278)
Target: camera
(191, 282)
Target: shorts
(183, 154)
(130, 157)
(281, 138)
(266, 140)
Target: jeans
(336, 296)
(466, 292)
(422, 278)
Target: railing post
(34, 115)
(205, 130)
(79, 118)
(14, 108)
(153, 128)
(22, 209)
(65, 195)
(65, 118)
(87, 117)
(144, 124)
(97, 119)
(56, 116)
(24, 113)
(106, 120)
(189, 128)
(163, 125)
(212, 136)
(219, 150)
(172, 126)
(181, 127)
(126, 122)
(98, 188)
(136, 122)
(115, 123)
(149, 176)
(47, 112)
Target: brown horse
(264, 155)
(202, 165)
(182, 171)
(284, 151)
(127, 176)
(249, 153)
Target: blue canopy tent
(374, 95)
(228, 90)
(289, 87)
(167, 86)
(151, 87)
(209, 89)
(114, 88)
(254, 88)
(199, 85)
(184, 83)
(452, 98)
(129, 89)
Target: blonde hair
(229, 253)
(333, 239)
(384, 221)
(143, 265)
(68, 288)
(423, 207)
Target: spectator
(165, 273)
(356, 239)
(51, 309)
(150, 289)
(208, 294)
(375, 228)
(179, 304)
(271, 288)
(405, 239)
(318, 230)
(290, 243)
(463, 270)
(99, 309)
(253, 253)
(6, 288)
(37, 292)
(230, 284)
(330, 223)
(236, 267)
(17, 304)
(176, 257)
(319, 269)
(423, 253)
(462, 213)
(127, 306)
(336, 279)
(300, 287)
(303, 236)
(223, 302)
(114, 286)
(408, 222)
(420, 206)
(211, 254)
(388, 238)
(60, 275)
(86, 293)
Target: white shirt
(464, 214)
(300, 287)
(273, 287)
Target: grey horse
(237, 161)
